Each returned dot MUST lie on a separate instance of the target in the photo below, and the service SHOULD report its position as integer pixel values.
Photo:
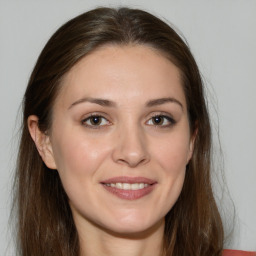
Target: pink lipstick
(129, 188)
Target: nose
(131, 148)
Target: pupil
(96, 120)
(158, 120)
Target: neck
(96, 242)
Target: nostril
(132, 162)
(130, 148)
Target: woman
(115, 154)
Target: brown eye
(94, 121)
(158, 120)
(161, 120)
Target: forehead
(122, 72)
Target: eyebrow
(161, 101)
(101, 102)
(109, 103)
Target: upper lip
(130, 180)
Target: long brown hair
(45, 223)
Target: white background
(222, 36)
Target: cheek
(78, 161)
(172, 157)
(78, 157)
(172, 154)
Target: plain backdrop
(222, 37)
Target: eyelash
(90, 119)
(166, 118)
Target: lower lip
(130, 194)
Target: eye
(95, 121)
(161, 120)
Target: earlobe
(42, 142)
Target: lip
(129, 194)
(130, 180)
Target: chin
(135, 227)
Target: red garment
(237, 253)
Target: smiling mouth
(129, 188)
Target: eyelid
(169, 117)
(95, 114)
(171, 121)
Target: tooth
(119, 185)
(135, 186)
(141, 185)
(126, 186)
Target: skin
(126, 142)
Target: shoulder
(237, 253)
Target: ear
(191, 145)
(42, 142)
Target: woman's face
(120, 138)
